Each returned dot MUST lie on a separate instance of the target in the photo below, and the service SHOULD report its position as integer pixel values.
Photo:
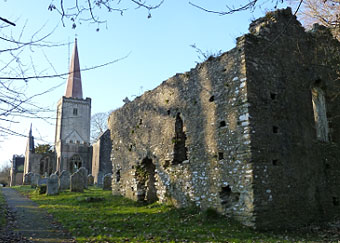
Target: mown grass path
(32, 222)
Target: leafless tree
(98, 125)
(324, 12)
(78, 11)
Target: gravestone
(83, 172)
(27, 178)
(35, 180)
(107, 182)
(77, 182)
(64, 180)
(42, 181)
(100, 179)
(90, 180)
(52, 185)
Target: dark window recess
(180, 151)
(336, 201)
(212, 98)
(275, 129)
(222, 124)
(275, 161)
(117, 175)
(273, 96)
(220, 156)
(169, 112)
(75, 111)
(228, 198)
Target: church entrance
(75, 163)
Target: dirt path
(28, 223)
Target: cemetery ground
(97, 216)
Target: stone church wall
(101, 163)
(190, 136)
(253, 133)
(296, 174)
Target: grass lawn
(97, 216)
(2, 210)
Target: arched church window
(75, 163)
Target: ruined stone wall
(253, 133)
(101, 163)
(187, 141)
(296, 174)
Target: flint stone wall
(210, 107)
(238, 133)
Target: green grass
(2, 210)
(97, 216)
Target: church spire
(30, 142)
(74, 88)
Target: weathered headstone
(64, 180)
(107, 182)
(27, 178)
(77, 182)
(35, 180)
(100, 179)
(83, 172)
(90, 180)
(42, 181)
(52, 185)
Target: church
(72, 132)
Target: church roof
(74, 87)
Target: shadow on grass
(97, 216)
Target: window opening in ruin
(273, 96)
(275, 161)
(117, 175)
(75, 111)
(180, 151)
(275, 129)
(145, 177)
(75, 163)
(212, 98)
(228, 198)
(222, 124)
(220, 156)
(320, 117)
(336, 201)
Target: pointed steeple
(74, 88)
(30, 142)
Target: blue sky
(157, 48)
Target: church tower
(72, 137)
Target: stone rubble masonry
(237, 133)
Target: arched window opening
(180, 151)
(320, 117)
(75, 163)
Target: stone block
(77, 182)
(107, 182)
(42, 181)
(83, 172)
(52, 185)
(64, 180)
(90, 180)
(35, 180)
